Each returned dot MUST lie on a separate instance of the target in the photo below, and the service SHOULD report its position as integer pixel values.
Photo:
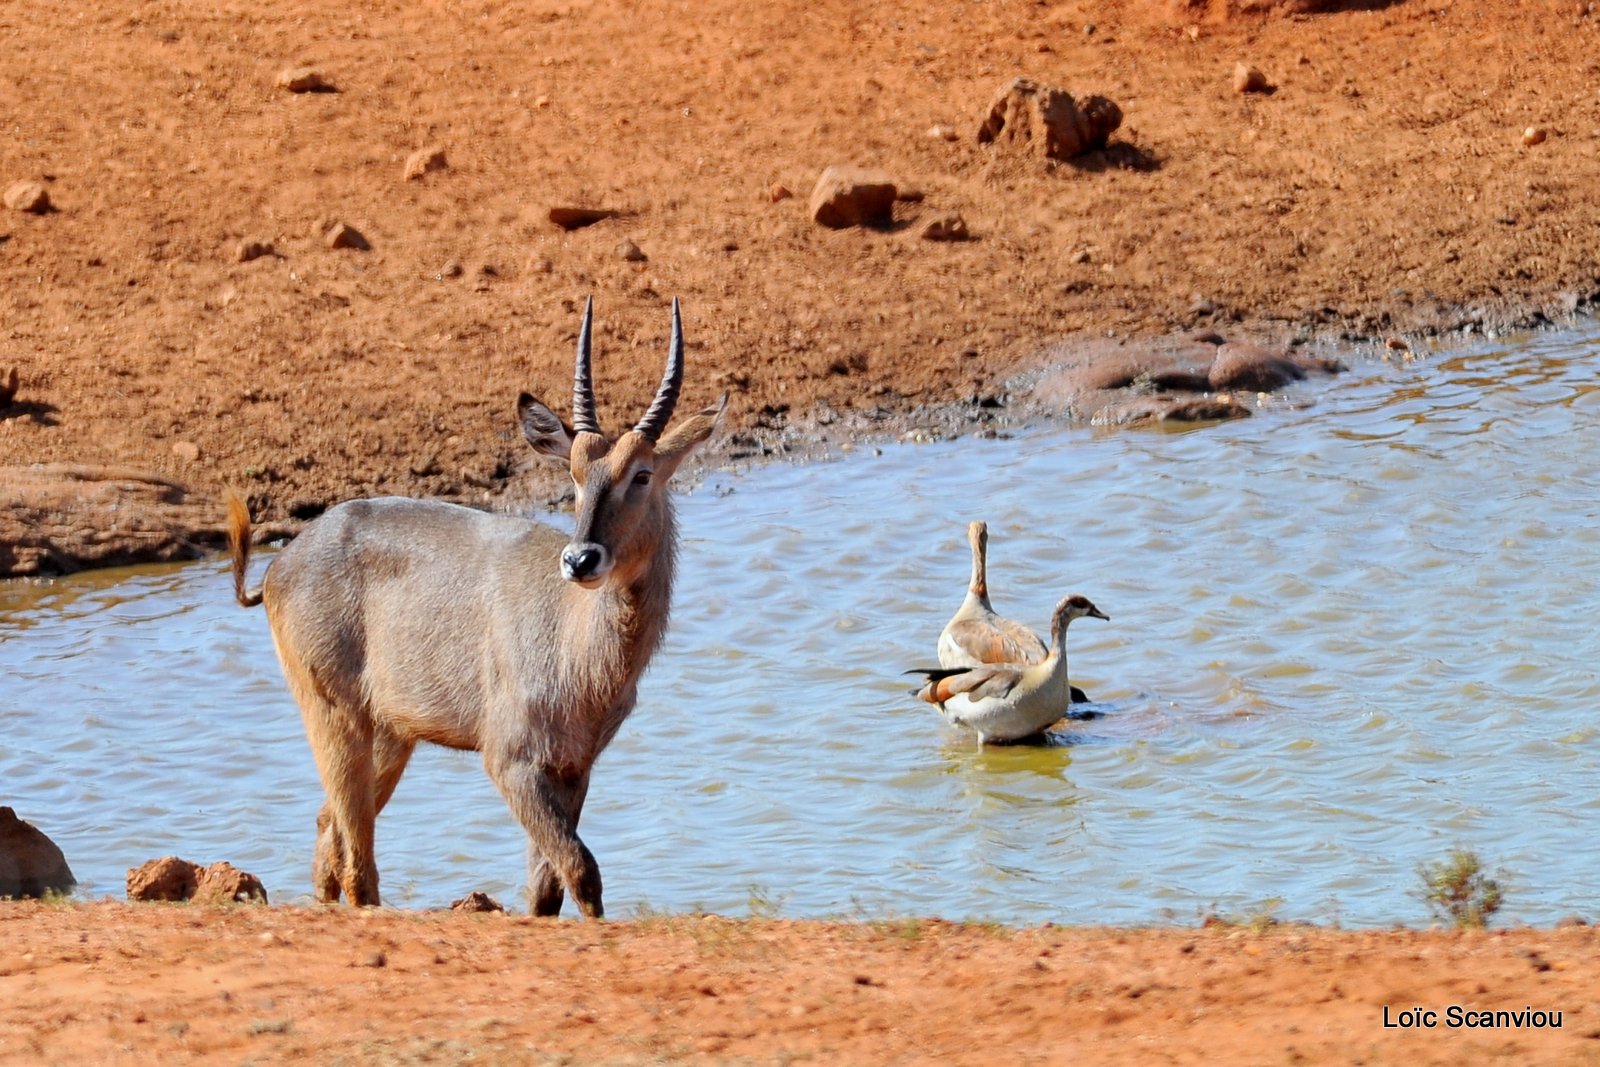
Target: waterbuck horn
(583, 419)
(655, 420)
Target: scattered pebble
(424, 161)
(778, 192)
(186, 452)
(945, 228)
(304, 80)
(8, 388)
(1247, 79)
(343, 235)
(452, 269)
(944, 133)
(1533, 135)
(572, 218)
(631, 252)
(27, 196)
(852, 196)
(247, 250)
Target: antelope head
(621, 484)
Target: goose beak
(1096, 613)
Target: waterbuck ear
(543, 428)
(685, 435)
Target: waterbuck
(400, 621)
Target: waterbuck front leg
(547, 803)
(545, 890)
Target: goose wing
(972, 641)
(985, 680)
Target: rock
(778, 192)
(64, 517)
(343, 235)
(1251, 367)
(31, 864)
(8, 388)
(186, 452)
(223, 883)
(1533, 135)
(1047, 121)
(944, 133)
(304, 80)
(245, 251)
(27, 196)
(168, 878)
(1247, 79)
(944, 228)
(572, 218)
(425, 161)
(476, 901)
(631, 252)
(852, 196)
(171, 879)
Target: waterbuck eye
(641, 478)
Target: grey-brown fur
(399, 621)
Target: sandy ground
(116, 983)
(1383, 189)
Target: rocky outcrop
(172, 879)
(1047, 121)
(1204, 377)
(57, 518)
(31, 865)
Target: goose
(976, 634)
(1008, 701)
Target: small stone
(375, 958)
(476, 901)
(945, 228)
(631, 252)
(29, 196)
(541, 102)
(8, 388)
(168, 878)
(852, 196)
(1533, 135)
(424, 161)
(1247, 79)
(452, 269)
(1395, 344)
(944, 133)
(425, 465)
(572, 218)
(223, 883)
(186, 452)
(247, 250)
(778, 192)
(31, 865)
(304, 80)
(343, 235)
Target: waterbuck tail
(239, 548)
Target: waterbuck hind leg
(557, 859)
(327, 863)
(342, 744)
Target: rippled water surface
(1344, 638)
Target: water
(1347, 635)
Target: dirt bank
(179, 309)
(111, 983)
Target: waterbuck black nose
(580, 562)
